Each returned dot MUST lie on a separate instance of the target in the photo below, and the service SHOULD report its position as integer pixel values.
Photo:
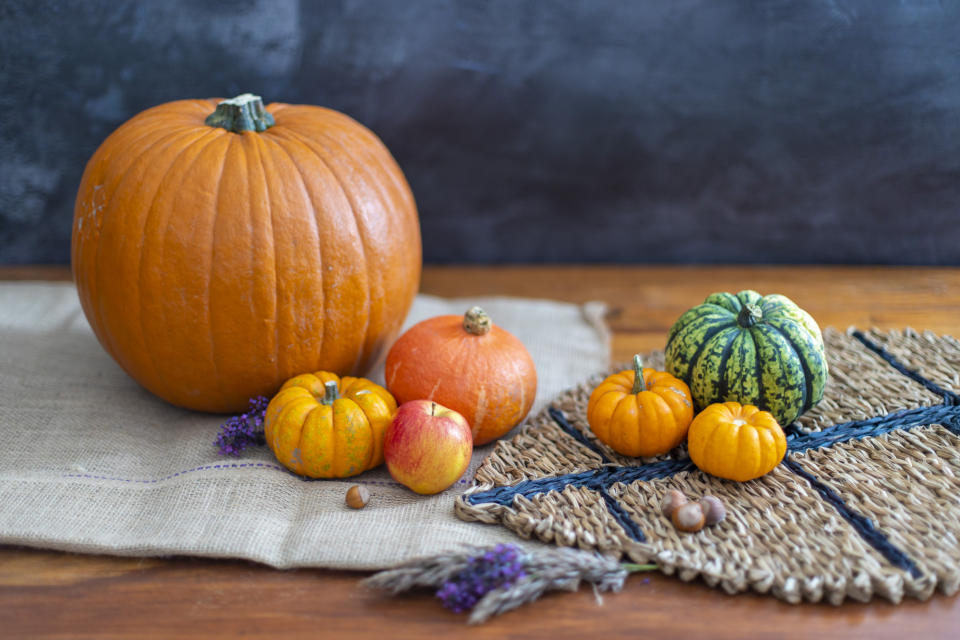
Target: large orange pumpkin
(220, 248)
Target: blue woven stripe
(595, 479)
(948, 396)
(598, 479)
(947, 415)
(622, 517)
(575, 433)
(862, 524)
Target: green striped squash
(751, 349)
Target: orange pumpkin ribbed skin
(489, 379)
(736, 442)
(328, 441)
(214, 265)
(648, 423)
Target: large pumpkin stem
(243, 113)
(477, 322)
(331, 394)
(639, 384)
(749, 315)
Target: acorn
(672, 501)
(688, 517)
(357, 497)
(713, 510)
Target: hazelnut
(672, 501)
(713, 510)
(688, 517)
(357, 497)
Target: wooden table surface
(51, 594)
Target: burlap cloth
(90, 462)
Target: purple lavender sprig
(489, 581)
(245, 430)
(497, 568)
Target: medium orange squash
(467, 364)
(321, 426)
(642, 412)
(220, 248)
(736, 442)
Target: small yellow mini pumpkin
(322, 426)
(736, 442)
(640, 414)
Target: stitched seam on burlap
(228, 466)
(861, 524)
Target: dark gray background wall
(537, 130)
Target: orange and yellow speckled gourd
(642, 412)
(322, 426)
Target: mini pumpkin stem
(331, 394)
(477, 322)
(749, 315)
(639, 384)
(243, 113)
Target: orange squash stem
(477, 322)
(331, 394)
(243, 113)
(639, 384)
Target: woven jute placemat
(866, 502)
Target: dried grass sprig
(490, 581)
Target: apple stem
(331, 394)
(433, 408)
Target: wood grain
(645, 301)
(47, 594)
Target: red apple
(427, 446)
